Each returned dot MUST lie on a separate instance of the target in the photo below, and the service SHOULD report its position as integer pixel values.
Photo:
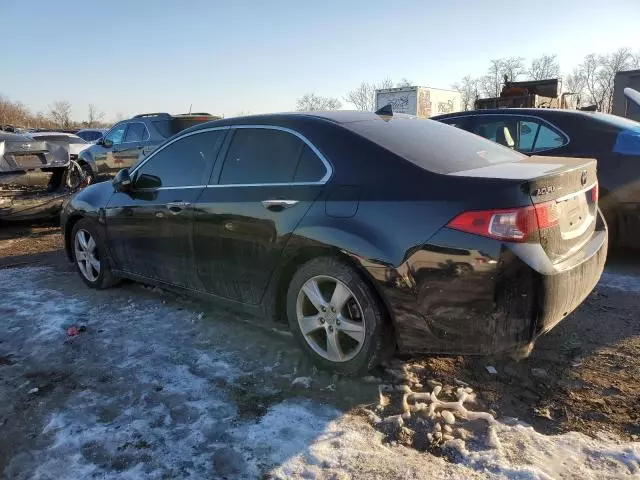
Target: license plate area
(575, 215)
(30, 160)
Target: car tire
(79, 175)
(90, 255)
(351, 339)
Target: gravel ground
(157, 386)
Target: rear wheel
(79, 175)
(89, 254)
(336, 317)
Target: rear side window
(548, 139)
(432, 145)
(261, 156)
(183, 163)
(310, 168)
(90, 136)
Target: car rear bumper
(490, 299)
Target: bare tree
(311, 102)
(544, 67)
(363, 97)
(60, 113)
(512, 67)
(404, 82)
(95, 116)
(620, 60)
(119, 117)
(574, 84)
(491, 83)
(13, 113)
(599, 72)
(468, 88)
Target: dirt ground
(584, 376)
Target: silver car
(32, 172)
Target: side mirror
(105, 142)
(122, 181)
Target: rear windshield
(59, 138)
(94, 135)
(616, 121)
(171, 126)
(434, 146)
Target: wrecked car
(366, 232)
(33, 175)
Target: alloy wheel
(330, 318)
(86, 255)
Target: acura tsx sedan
(368, 233)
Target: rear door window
(263, 156)
(525, 134)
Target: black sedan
(367, 233)
(614, 141)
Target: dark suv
(128, 140)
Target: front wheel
(337, 317)
(90, 256)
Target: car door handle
(177, 207)
(278, 204)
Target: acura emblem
(26, 146)
(583, 178)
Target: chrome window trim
(323, 159)
(554, 127)
(159, 149)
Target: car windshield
(432, 145)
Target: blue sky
(131, 56)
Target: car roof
(540, 112)
(342, 117)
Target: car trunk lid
(564, 195)
(571, 195)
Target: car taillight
(595, 193)
(513, 225)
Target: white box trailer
(423, 102)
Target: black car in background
(614, 141)
(366, 232)
(126, 141)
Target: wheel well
(292, 265)
(71, 221)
